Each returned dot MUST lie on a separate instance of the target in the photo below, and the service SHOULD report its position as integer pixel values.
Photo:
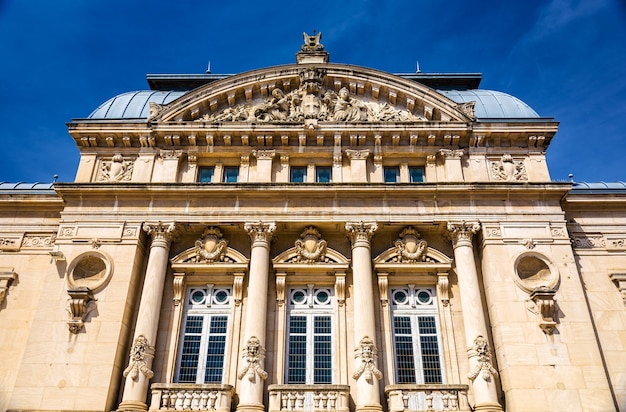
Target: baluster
(299, 400)
(187, 402)
(204, 398)
(195, 401)
(332, 400)
(323, 401)
(445, 398)
(317, 400)
(454, 401)
(213, 400)
(180, 400)
(283, 401)
(292, 400)
(429, 401)
(165, 400)
(405, 399)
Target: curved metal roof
(133, 105)
(491, 104)
(599, 188)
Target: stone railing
(331, 398)
(191, 397)
(427, 398)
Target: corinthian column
(139, 372)
(482, 373)
(367, 375)
(251, 373)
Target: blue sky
(61, 59)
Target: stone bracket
(6, 278)
(81, 302)
(545, 304)
(620, 282)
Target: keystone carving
(508, 170)
(211, 247)
(140, 354)
(367, 353)
(81, 302)
(116, 170)
(310, 248)
(410, 247)
(253, 354)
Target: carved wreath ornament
(139, 355)
(253, 353)
(366, 351)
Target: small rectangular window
(416, 174)
(323, 174)
(205, 174)
(231, 174)
(297, 174)
(392, 174)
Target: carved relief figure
(139, 355)
(253, 353)
(116, 170)
(347, 109)
(480, 349)
(275, 108)
(366, 351)
(507, 169)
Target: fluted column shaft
(366, 374)
(251, 372)
(482, 374)
(139, 372)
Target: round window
(221, 296)
(91, 270)
(424, 297)
(298, 297)
(400, 297)
(322, 297)
(533, 270)
(197, 297)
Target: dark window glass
(416, 174)
(392, 174)
(323, 174)
(297, 174)
(231, 174)
(205, 174)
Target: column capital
(460, 233)
(361, 232)
(261, 232)
(163, 232)
(357, 154)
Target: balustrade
(191, 397)
(328, 398)
(427, 398)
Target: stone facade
(313, 236)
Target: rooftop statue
(312, 43)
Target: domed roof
(133, 105)
(491, 104)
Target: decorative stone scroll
(139, 354)
(310, 248)
(211, 247)
(115, 170)
(410, 247)
(253, 354)
(367, 353)
(508, 170)
(484, 367)
(81, 302)
(7, 276)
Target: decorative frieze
(11, 242)
(35, 241)
(118, 169)
(598, 241)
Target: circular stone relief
(533, 270)
(91, 269)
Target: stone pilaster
(358, 164)
(482, 373)
(251, 373)
(367, 375)
(139, 372)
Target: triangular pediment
(306, 93)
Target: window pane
(231, 174)
(190, 350)
(322, 356)
(205, 174)
(215, 349)
(430, 349)
(296, 358)
(392, 174)
(324, 174)
(416, 174)
(405, 364)
(297, 174)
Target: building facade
(313, 236)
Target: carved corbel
(280, 288)
(546, 307)
(383, 288)
(620, 281)
(238, 288)
(6, 278)
(443, 288)
(81, 302)
(179, 288)
(340, 288)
